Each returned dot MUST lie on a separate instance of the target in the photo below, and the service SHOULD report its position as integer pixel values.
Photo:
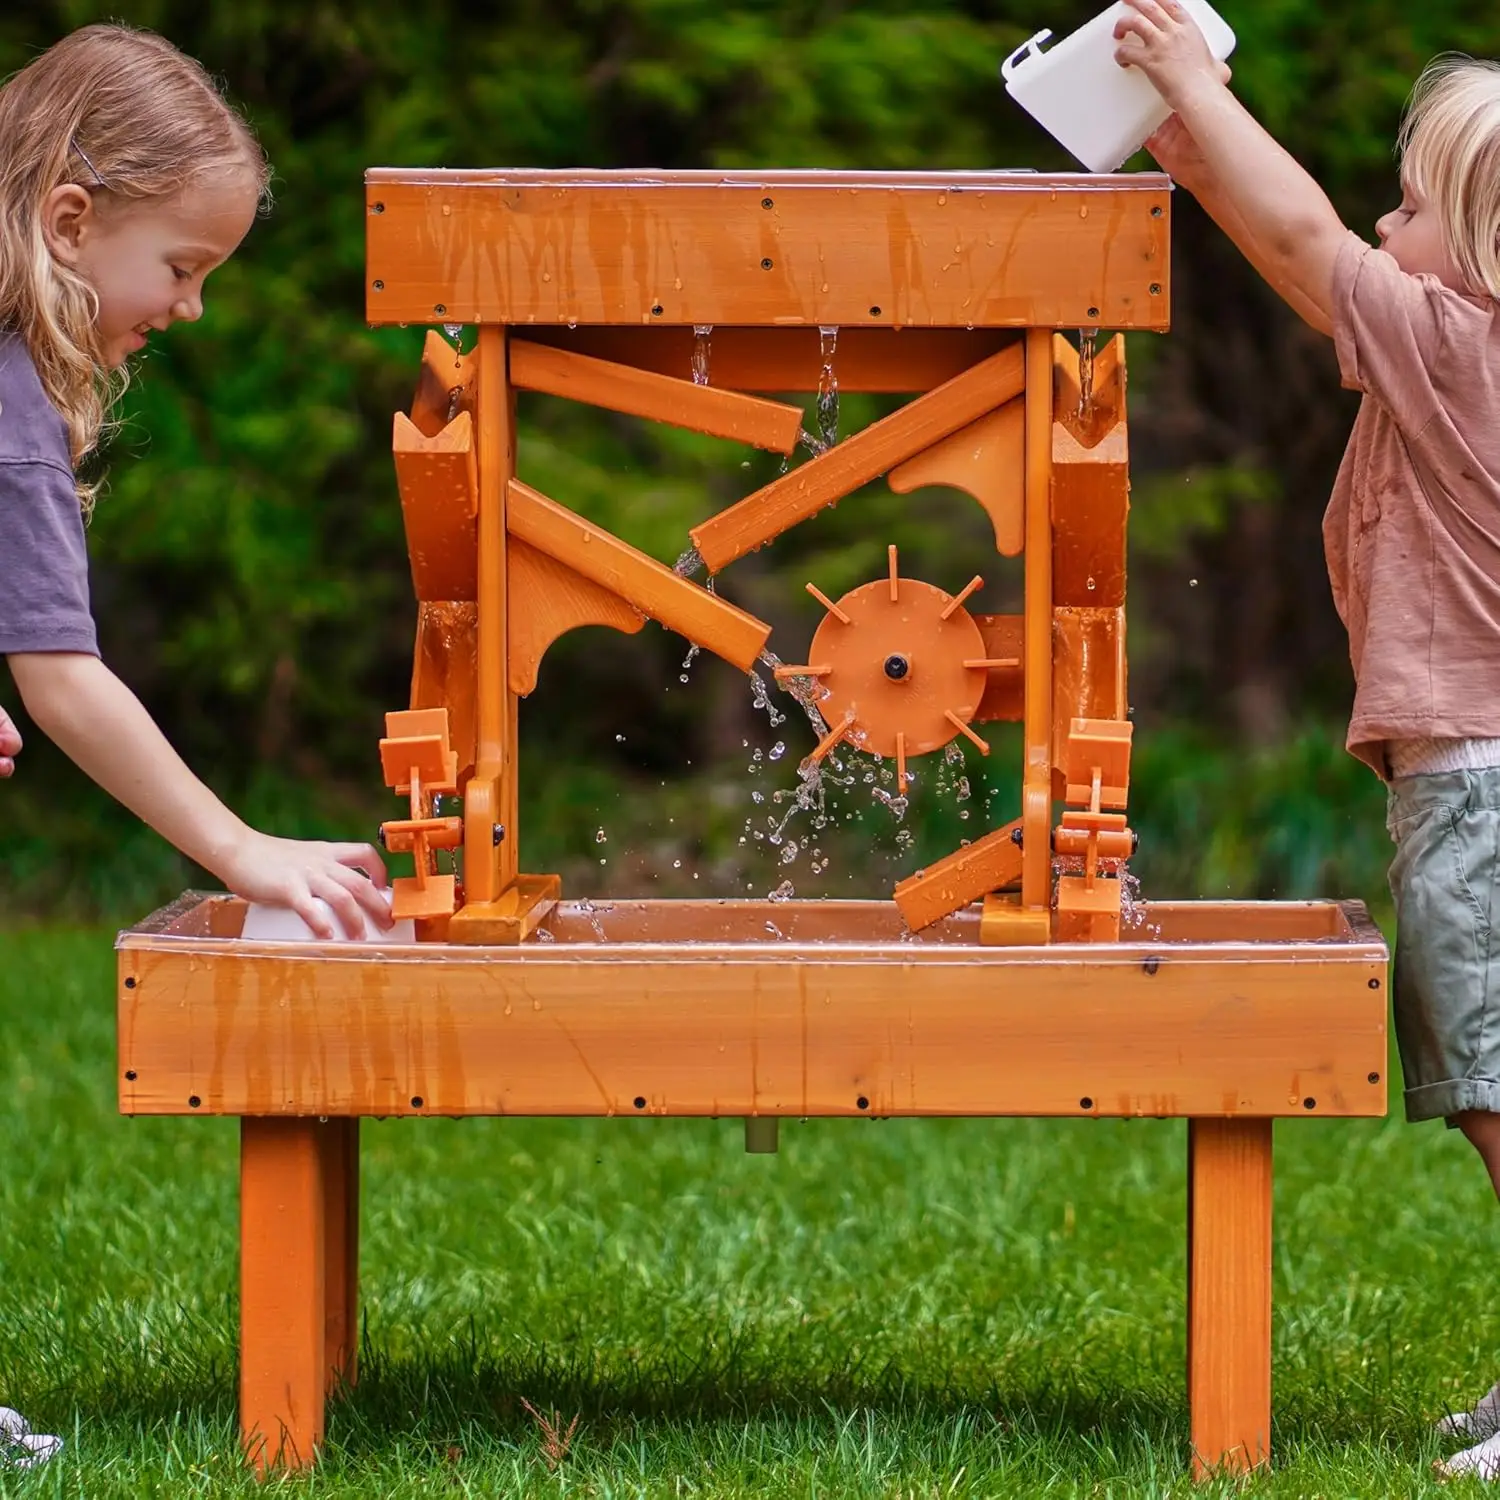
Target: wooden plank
(283, 1363)
(439, 498)
(1036, 686)
(640, 581)
(864, 456)
(708, 1028)
(899, 361)
(490, 797)
(974, 250)
(1229, 1294)
(445, 671)
(966, 875)
(1090, 506)
(339, 1143)
(658, 398)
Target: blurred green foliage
(250, 573)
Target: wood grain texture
(861, 457)
(1229, 1293)
(952, 250)
(659, 398)
(283, 1354)
(698, 1024)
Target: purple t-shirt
(44, 566)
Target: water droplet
(601, 837)
(777, 751)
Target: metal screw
(416, 1101)
(1155, 289)
(1374, 984)
(896, 667)
(1309, 1104)
(1093, 312)
(1085, 1102)
(766, 263)
(656, 311)
(640, 1101)
(862, 1102)
(1156, 212)
(130, 1074)
(1018, 837)
(440, 308)
(377, 208)
(130, 982)
(874, 312)
(1374, 1078)
(767, 203)
(1152, 964)
(194, 1101)
(378, 285)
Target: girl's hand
(1161, 39)
(292, 872)
(10, 744)
(1175, 150)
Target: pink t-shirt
(1412, 532)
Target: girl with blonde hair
(1412, 532)
(125, 180)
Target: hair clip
(98, 176)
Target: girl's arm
(105, 730)
(1178, 154)
(1277, 215)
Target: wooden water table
(988, 984)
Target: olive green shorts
(1445, 879)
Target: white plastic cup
(280, 924)
(1080, 95)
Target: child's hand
(1175, 150)
(291, 872)
(10, 743)
(1161, 39)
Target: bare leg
(1482, 1127)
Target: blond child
(125, 180)
(1412, 533)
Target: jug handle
(1032, 48)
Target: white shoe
(1482, 1460)
(1482, 1422)
(20, 1447)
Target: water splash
(689, 563)
(701, 350)
(687, 661)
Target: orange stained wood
(439, 499)
(1087, 911)
(445, 671)
(284, 1358)
(445, 384)
(510, 919)
(1005, 923)
(491, 796)
(898, 666)
(1036, 688)
(966, 875)
(986, 459)
(1090, 504)
(1088, 668)
(950, 250)
(339, 1147)
(1229, 1293)
(864, 456)
(690, 1025)
(1089, 422)
(548, 598)
(640, 581)
(1097, 763)
(897, 360)
(659, 398)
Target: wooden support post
(1229, 1293)
(1036, 787)
(339, 1140)
(283, 1359)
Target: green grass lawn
(885, 1308)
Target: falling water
(689, 563)
(701, 332)
(828, 389)
(1086, 338)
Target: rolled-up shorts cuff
(1441, 1101)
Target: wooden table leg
(283, 1362)
(340, 1141)
(1229, 1293)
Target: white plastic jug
(280, 924)
(1077, 91)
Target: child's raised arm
(105, 730)
(1255, 191)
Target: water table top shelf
(753, 1007)
(1007, 249)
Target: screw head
(874, 312)
(378, 285)
(766, 263)
(768, 203)
(896, 666)
(1155, 289)
(440, 308)
(377, 208)
(656, 311)
(1093, 312)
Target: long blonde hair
(126, 116)
(1449, 148)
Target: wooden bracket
(418, 761)
(963, 876)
